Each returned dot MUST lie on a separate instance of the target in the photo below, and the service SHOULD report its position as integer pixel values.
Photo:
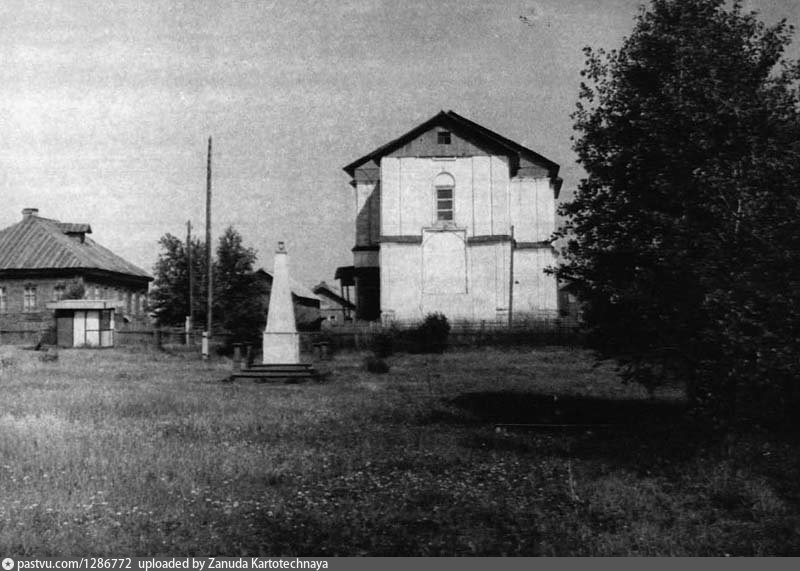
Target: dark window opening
(444, 203)
(443, 137)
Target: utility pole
(210, 283)
(190, 317)
(511, 279)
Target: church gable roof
(468, 138)
(38, 243)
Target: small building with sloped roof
(44, 261)
(306, 303)
(452, 217)
(333, 309)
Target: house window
(3, 300)
(443, 137)
(445, 186)
(105, 293)
(58, 292)
(29, 299)
(96, 292)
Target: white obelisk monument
(281, 342)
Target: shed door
(79, 329)
(107, 328)
(64, 328)
(93, 328)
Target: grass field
(144, 453)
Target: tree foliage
(683, 241)
(238, 301)
(170, 296)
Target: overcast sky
(106, 107)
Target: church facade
(457, 219)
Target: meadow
(142, 452)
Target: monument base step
(276, 373)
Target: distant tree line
(683, 240)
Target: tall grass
(145, 453)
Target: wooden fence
(556, 331)
(359, 336)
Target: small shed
(84, 322)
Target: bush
(382, 343)
(376, 365)
(431, 336)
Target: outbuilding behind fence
(84, 323)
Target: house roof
(297, 288)
(459, 125)
(38, 243)
(324, 289)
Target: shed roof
(37, 243)
(81, 304)
(457, 124)
(324, 289)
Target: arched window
(444, 186)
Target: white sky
(106, 107)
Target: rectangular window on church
(444, 203)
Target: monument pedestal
(280, 348)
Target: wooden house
(44, 261)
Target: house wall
(23, 327)
(401, 281)
(368, 200)
(490, 279)
(15, 319)
(535, 293)
(126, 300)
(45, 292)
(532, 209)
(331, 309)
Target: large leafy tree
(170, 296)
(683, 240)
(239, 301)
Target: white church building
(453, 218)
